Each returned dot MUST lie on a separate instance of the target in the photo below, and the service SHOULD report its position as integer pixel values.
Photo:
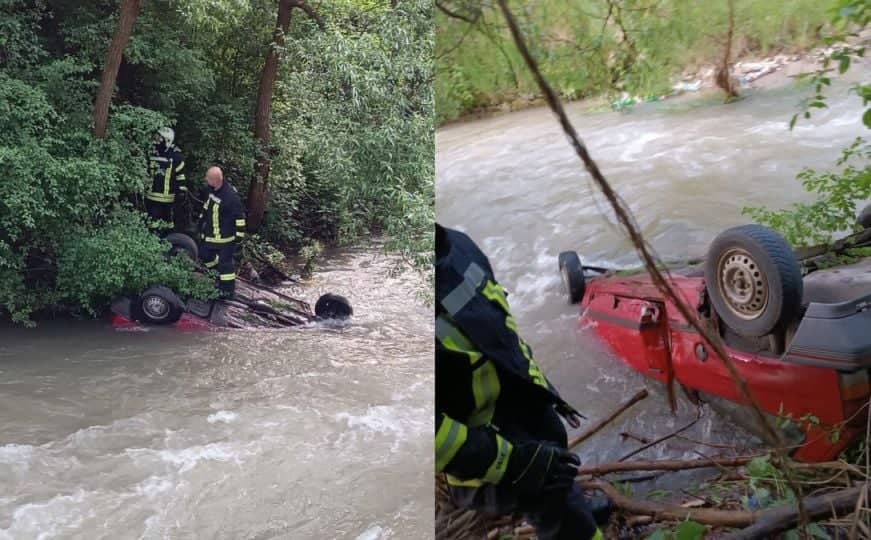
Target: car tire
(864, 218)
(333, 306)
(182, 243)
(572, 272)
(754, 280)
(157, 305)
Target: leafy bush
(122, 257)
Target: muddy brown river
(685, 167)
(317, 432)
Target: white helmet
(168, 135)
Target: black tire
(864, 218)
(182, 243)
(333, 306)
(157, 305)
(754, 280)
(572, 273)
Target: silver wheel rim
(742, 284)
(155, 307)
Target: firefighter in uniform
(166, 167)
(498, 433)
(222, 228)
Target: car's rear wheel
(182, 243)
(157, 305)
(754, 280)
(572, 273)
(333, 306)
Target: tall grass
(479, 67)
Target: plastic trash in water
(693, 86)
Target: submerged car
(799, 339)
(253, 306)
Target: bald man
(222, 227)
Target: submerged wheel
(754, 280)
(182, 243)
(572, 273)
(864, 218)
(333, 306)
(157, 305)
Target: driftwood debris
(641, 394)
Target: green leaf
(690, 530)
(866, 118)
(844, 64)
(659, 534)
(792, 121)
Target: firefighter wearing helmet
(166, 168)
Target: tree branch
(310, 11)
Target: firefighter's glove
(541, 469)
(572, 417)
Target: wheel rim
(155, 307)
(742, 284)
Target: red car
(801, 342)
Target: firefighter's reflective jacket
(222, 218)
(166, 167)
(482, 364)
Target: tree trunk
(257, 191)
(129, 12)
(724, 72)
(260, 183)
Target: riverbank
(751, 71)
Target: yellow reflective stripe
(485, 378)
(180, 167)
(494, 292)
(216, 224)
(240, 222)
(160, 197)
(227, 277)
(485, 388)
(166, 177)
(475, 482)
(455, 341)
(219, 239)
(240, 235)
(449, 438)
(212, 264)
(598, 535)
(181, 177)
(500, 463)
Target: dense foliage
(838, 192)
(593, 47)
(352, 134)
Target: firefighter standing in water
(166, 166)
(222, 228)
(499, 436)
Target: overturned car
(797, 333)
(254, 304)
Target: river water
(318, 432)
(685, 167)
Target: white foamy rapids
(222, 416)
(188, 458)
(375, 532)
(400, 424)
(48, 519)
(17, 456)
